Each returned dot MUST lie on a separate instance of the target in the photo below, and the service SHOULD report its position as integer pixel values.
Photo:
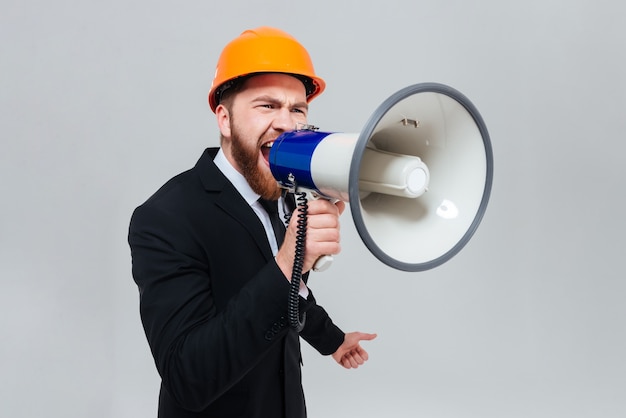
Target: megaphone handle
(323, 263)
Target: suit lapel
(230, 201)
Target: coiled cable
(293, 307)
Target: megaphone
(417, 177)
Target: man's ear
(223, 120)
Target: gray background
(101, 102)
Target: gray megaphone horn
(417, 177)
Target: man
(213, 279)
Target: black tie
(271, 207)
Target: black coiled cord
(293, 308)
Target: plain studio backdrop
(102, 102)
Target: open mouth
(265, 150)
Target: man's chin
(272, 192)
(264, 184)
(268, 182)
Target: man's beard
(247, 158)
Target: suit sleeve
(200, 351)
(319, 330)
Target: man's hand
(350, 354)
(322, 235)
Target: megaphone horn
(417, 177)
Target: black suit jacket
(213, 303)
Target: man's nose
(284, 120)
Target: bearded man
(212, 275)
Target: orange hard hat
(264, 50)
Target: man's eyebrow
(275, 101)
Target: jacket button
(269, 335)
